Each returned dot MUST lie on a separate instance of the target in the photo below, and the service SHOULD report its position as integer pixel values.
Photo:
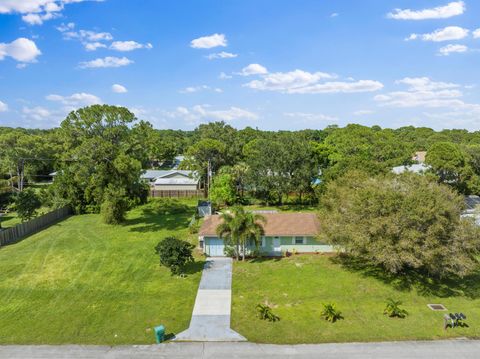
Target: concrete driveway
(458, 349)
(211, 313)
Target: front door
(276, 245)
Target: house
(472, 208)
(175, 180)
(419, 165)
(283, 232)
(419, 168)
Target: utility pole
(209, 171)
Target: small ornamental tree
(26, 203)
(223, 191)
(114, 206)
(174, 254)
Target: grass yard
(11, 219)
(296, 287)
(81, 281)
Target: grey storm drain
(436, 307)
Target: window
(200, 244)
(264, 244)
(299, 240)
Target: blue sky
(271, 64)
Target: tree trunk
(237, 254)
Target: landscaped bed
(297, 287)
(81, 281)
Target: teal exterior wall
(212, 245)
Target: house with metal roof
(283, 232)
(174, 180)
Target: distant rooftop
(415, 168)
(152, 174)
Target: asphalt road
(458, 349)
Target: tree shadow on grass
(425, 285)
(194, 267)
(151, 221)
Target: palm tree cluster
(239, 227)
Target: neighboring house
(283, 232)
(472, 204)
(150, 176)
(418, 167)
(176, 180)
(415, 168)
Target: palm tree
(239, 227)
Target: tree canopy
(401, 223)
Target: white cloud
(224, 76)
(303, 82)
(108, 61)
(221, 55)
(204, 113)
(22, 50)
(91, 40)
(335, 14)
(306, 117)
(476, 34)
(35, 12)
(446, 34)
(66, 27)
(3, 107)
(119, 88)
(440, 12)
(36, 113)
(38, 19)
(253, 69)
(84, 36)
(192, 89)
(447, 50)
(208, 42)
(92, 46)
(363, 112)
(129, 45)
(423, 92)
(76, 99)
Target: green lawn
(297, 286)
(11, 219)
(81, 281)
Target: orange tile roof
(278, 224)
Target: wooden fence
(14, 234)
(177, 194)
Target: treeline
(247, 163)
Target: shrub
(393, 309)
(264, 312)
(230, 251)
(114, 206)
(331, 313)
(26, 204)
(174, 254)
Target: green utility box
(159, 333)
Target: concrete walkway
(458, 349)
(211, 313)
